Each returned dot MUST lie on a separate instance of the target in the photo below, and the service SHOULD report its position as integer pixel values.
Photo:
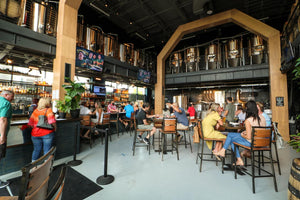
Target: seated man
(84, 110)
(128, 109)
(182, 120)
(143, 124)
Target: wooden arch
(278, 81)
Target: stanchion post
(105, 179)
(75, 162)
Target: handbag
(196, 135)
(43, 122)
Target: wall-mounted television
(99, 90)
(144, 76)
(89, 59)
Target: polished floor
(146, 177)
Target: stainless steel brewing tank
(38, 17)
(212, 56)
(176, 63)
(233, 53)
(257, 48)
(190, 59)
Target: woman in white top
(95, 121)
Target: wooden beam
(65, 44)
(278, 82)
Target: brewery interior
(205, 66)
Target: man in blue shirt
(6, 98)
(182, 120)
(128, 109)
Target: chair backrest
(106, 118)
(261, 136)
(132, 116)
(56, 191)
(35, 177)
(200, 129)
(86, 120)
(169, 125)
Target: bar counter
(18, 155)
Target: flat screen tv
(99, 90)
(144, 76)
(89, 59)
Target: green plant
(72, 97)
(62, 107)
(295, 139)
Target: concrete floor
(147, 177)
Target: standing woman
(42, 138)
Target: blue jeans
(235, 137)
(44, 142)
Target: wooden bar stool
(261, 140)
(137, 142)
(169, 128)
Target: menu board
(89, 59)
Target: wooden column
(278, 87)
(65, 44)
(278, 82)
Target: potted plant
(70, 104)
(295, 138)
(63, 109)
(295, 144)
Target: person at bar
(94, 121)
(6, 98)
(191, 111)
(244, 138)
(142, 122)
(229, 110)
(210, 123)
(84, 110)
(240, 113)
(182, 120)
(112, 108)
(261, 112)
(26, 130)
(42, 139)
(128, 109)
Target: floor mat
(76, 186)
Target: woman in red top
(191, 110)
(42, 138)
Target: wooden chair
(35, 178)
(56, 191)
(201, 154)
(86, 124)
(184, 135)
(169, 127)
(130, 122)
(116, 121)
(138, 143)
(261, 139)
(105, 124)
(274, 139)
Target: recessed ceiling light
(130, 22)
(9, 61)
